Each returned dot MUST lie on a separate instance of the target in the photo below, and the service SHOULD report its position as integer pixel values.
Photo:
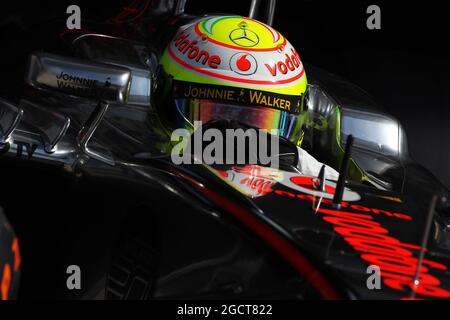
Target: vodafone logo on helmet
(189, 48)
(289, 63)
(271, 63)
(243, 63)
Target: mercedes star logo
(244, 37)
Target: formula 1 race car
(87, 181)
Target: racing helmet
(235, 69)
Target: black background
(405, 65)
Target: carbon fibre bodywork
(89, 183)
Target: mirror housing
(81, 78)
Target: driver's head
(236, 69)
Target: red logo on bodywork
(395, 258)
(311, 183)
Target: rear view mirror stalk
(343, 173)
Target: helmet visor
(289, 125)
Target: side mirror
(81, 78)
(114, 51)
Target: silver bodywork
(79, 78)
